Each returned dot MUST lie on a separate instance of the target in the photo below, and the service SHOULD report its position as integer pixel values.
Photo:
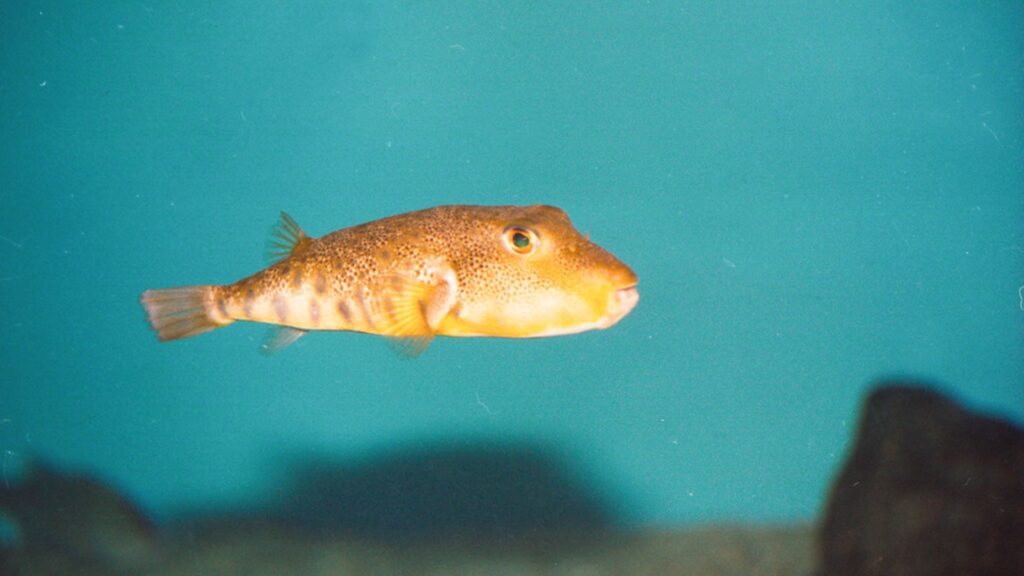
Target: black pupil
(520, 240)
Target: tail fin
(182, 312)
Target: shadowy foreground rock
(929, 489)
(75, 525)
(252, 549)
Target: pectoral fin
(415, 305)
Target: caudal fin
(181, 312)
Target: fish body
(500, 271)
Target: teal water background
(813, 195)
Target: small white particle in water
(1020, 293)
(18, 245)
(242, 114)
(728, 262)
(457, 47)
(120, 26)
(481, 403)
(990, 131)
(42, 84)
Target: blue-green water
(813, 196)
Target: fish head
(530, 273)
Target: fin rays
(279, 337)
(286, 238)
(414, 309)
(409, 346)
(176, 313)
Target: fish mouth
(620, 303)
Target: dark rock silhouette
(455, 509)
(928, 489)
(453, 489)
(76, 520)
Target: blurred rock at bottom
(268, 552)
(103, 535)
(928, 489)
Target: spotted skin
(450, 271)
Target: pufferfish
(499, 271)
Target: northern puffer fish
(503, 271)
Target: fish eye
(520, 240)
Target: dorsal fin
(286, 238)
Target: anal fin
(409, 346)
(280, 337)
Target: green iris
(520, 240)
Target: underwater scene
(512, 288)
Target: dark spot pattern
(314, 311)
(247, 302)
(280, 307)
(360, 270)
(364, 308)
(344, 311)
